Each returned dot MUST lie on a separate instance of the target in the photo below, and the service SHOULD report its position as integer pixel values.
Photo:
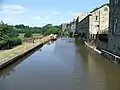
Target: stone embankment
(112, 57)
(8, 56)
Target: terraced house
(63, 26)
(95, 23)
(99, 21)
(83, 27)
(78, 20)
(114, 37)
(72, 27)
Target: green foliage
(28, 34)
(9, 43)
(22, 29)
(8, 36)
(50, 29)
(45, 30)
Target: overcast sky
(41, 12)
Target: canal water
(65, 64)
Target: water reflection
(103, 75)
(65, 64)
(8, 70)
(50, 42)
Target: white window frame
(116, 1)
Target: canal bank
(112, 57)
(14, 54)
(93, 48)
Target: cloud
(11, 13)
(12, 9)
(15, 14)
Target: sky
(42, 12)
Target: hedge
(10, 43)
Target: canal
(65, 64)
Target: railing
(111, 56)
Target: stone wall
(73, 27)
(114, 37)
(114, 44)
(79, 19)
(104, 19)
(64, 26)
(83, 26)
(99, 20)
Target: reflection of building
(114, 37)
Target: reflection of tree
(5, 73)
(8, 70)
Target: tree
(50, 29)
(22, 29)
(8, 36)
(28, 34)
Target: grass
(21, 35)
(37, 35)
(7, 55)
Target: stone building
(66, 28)
(80, 18)
(99, 21)
(63, 26)
(114, 25)
(83, 27)
(96, 22)
(72, 27)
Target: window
(106, 9)
(116, 1)
(97, 25)
(96, 17)
(115, 25)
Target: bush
(28, 34)
(9, 43)
(13, 42)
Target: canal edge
(7, 62)
(106, 54)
